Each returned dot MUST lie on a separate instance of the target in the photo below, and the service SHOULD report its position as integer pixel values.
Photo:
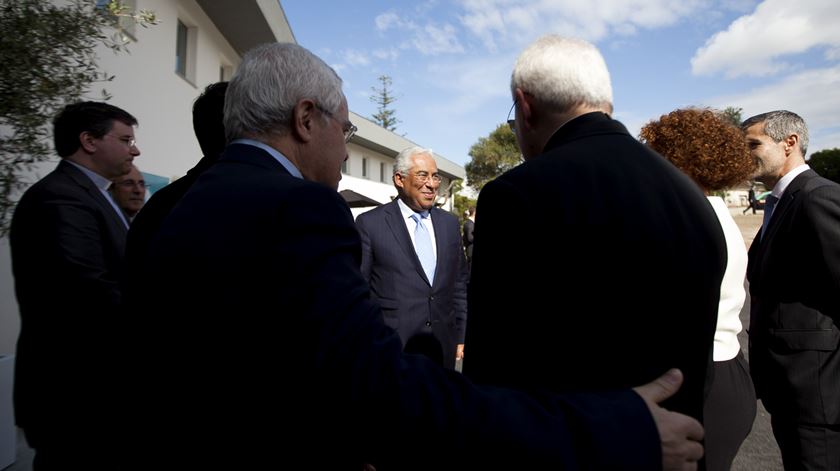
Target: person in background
(794, 275)
(414, 262)
(713, 153)
(67, 241)
(622, 279)
(469, 229)
(751, 200)
(207, 114)
(129, 192)
(257, 322)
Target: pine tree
(384, 97)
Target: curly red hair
(702, 144)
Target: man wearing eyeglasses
(67, 242)
(414, 261)
(259, 340)
(129, 192)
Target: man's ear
(524, 104)
(398, 180)
(790, 142)
(304, 115)
(88, 142)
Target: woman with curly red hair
(714, 154)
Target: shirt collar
(780, 187)
(286, 163)
(407, 212)
(101, 182)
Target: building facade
(198, 42)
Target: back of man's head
(269, 82)
(94, 117)
(208, 119)
(779, 125)
(562, 73)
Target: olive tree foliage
(826, 163)
(492, 156)
(48, 57)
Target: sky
(450, 60)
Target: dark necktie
(769, 205)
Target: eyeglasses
(127, 140)
(423, 177)
(349, 128)
(131, 183)
(512, 122)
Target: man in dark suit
(424, 300)
(794, 275)
(623, 278)
(67, 241)
(208, 113)
(469, 235)
(129, 192)
(261, 340)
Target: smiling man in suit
(413, 259)
(794, 275)
(67, 242)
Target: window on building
(185, 51)
(225, 73)
(344, 166)
(382, 172)
(364, 167)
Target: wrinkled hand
(679, 434)
(459, 352)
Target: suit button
(428, 323)
(431, 298)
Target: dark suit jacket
(148, 221)
(260, 341)
(67, 245)
(469, 238)
(794, 275)
(411, 305)
(620, 283)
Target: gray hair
(269, 82)
(778, 125)
(404, 160)
(562, 73)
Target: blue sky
(450, 60)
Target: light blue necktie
(423, 246)
(769, 205)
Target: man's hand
(679, 434)
(459, 352)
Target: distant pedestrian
(469, 236)
(751, 199)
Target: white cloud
(753, 44)
(355, 58)
(432, 40)
(811, 94)
(386, 21)
(391, 54)
(497, 22)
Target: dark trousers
(728, 413)
(807, 446)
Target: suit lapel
(440, 239)
(114, 221)
(398, 227)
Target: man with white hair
(622, 280)
(414, 262)
(257, 339)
